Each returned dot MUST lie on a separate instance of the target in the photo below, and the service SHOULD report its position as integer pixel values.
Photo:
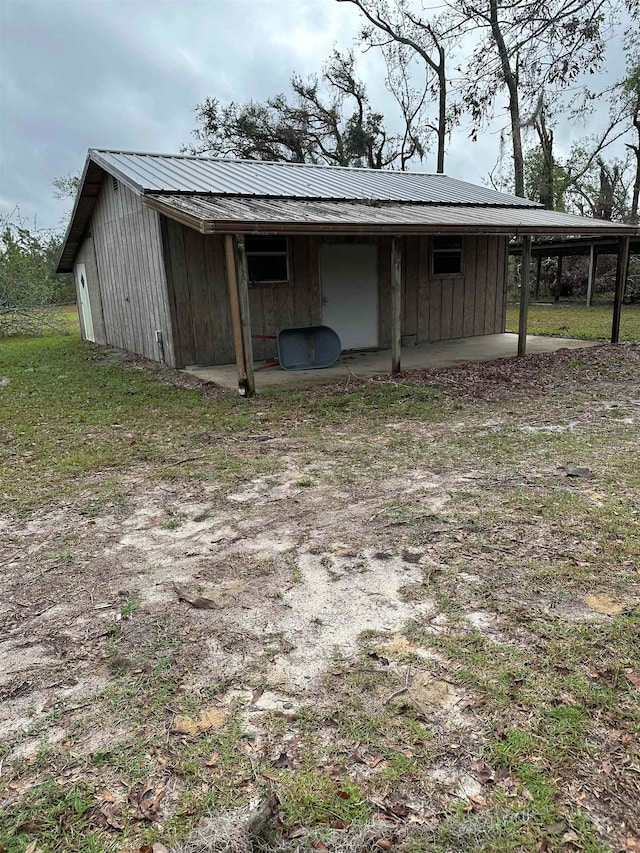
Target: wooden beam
(237, 279)
(396, 304)
(593, 263)
(556, 295)
(622, 269)
(525, 273)
(538, 274)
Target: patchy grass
(486, 692)
(577, 321)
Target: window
(267, 259)
(446, 256)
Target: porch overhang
(240, 215)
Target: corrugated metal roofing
(268, 215)
(155, 173)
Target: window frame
(249, 253)
(435, 252)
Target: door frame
(85, 301)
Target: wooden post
(593, 263)
(622, 268)
(556, 295)
(396, 305)
(237, 278)
(538, 274)
(524, 294)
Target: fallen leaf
(257, 693)
(344, 795)
(112, 813)
(607, 767)
(157, 847)
(633, 677)
(569, 837)
(211, 718)
(632, 843)
(484, 773)
(383, 844)
(213, 760)
(604, 604)
(318, 845)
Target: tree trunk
(442, 111)
(510, 79)
(546, 190)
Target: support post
(538, 274)
(396, 304)
(525, 274)
(622, 269)
(238, 282)
(593, 263)
(556, 295)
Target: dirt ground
(425, 616)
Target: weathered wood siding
(198, 296)
(438, 308)
(133, 285)
(87, 256)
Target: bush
(28, 281)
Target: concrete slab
(373, 363)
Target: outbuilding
(200, 261)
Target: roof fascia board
(210, 226)
(108, 167)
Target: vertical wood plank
(410, 286)
(492, 285)
(423, 298)
(622, 270)
(593, 263)
(384, 291)
(524, 295)
(396, 304)
(480, 287)
(470, 270)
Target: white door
(349, 282)
(85, 304)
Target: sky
(126, 74)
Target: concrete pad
(376, 362)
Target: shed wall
(434, 308)
(130, 267)
(87, 256)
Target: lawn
(404, 608)
(571, 320)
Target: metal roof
(160, 173)
(269, 215)
(250, 195)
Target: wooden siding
(87, 256)
(133, 286)
(197, 280)
(439, 308)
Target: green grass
(577, 321)
(76, 421)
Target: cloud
(127, 75)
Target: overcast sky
(126, 74)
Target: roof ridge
(272, 163)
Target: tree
(66, 186)
(528, 48)
(324, 120)
(397, 24)
(27, 278)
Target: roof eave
(84, 205)
(227, 226)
